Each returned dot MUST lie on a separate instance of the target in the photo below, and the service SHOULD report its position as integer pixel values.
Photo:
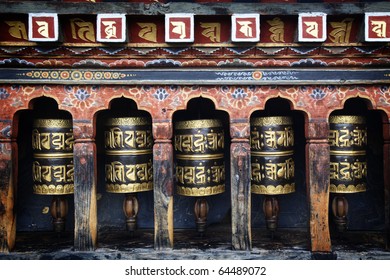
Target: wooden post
(8, 183)
(163, 185)
(386, 173)
(317, 172)
(240, 186)
(85, 233)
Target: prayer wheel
(52, 145)
(272, 162)
(348, 162)
(200, 164)
(128, 146)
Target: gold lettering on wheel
(277, 30)
(148, 31)
(347, 138)
(48, 173)
(341, 31)
(348, 171)
(82, 30)
(199, 142)
(58, 141)
(217, 174)
(270, 138)
(256, 172)
(212, 30)
(255, 140)
(17, 29)
(118, 172)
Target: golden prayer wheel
(200, 164)
(272, 162)
(348, 162)
(52, 146)
(128, 146)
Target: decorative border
(129, 188)
(273, 190)
(204, 191)
(53, 189)
(200, 76)
(341, 188)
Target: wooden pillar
(240, 185)
(386, 173)
(317, 172)
(163, 185)
(85, 232)
(8, 183)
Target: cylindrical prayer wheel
(199, 151)
(128, 145)
(348, 163)
(52, 145)
(272, 162)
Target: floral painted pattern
(84, 101)
(82, 97)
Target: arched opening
(202, 205)
(357, 201)
(45, 207)
(124, 145)
(278, 182)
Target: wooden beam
(196, 8)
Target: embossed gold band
(347, 119)
(53, 155)
(203, 191)
(206, 123)
(341, 188)
(53, 189)
(347, 153)
(273, 190)
(129, 188)
(56, 123)
(274, 153)
(128, 121)
(276, 120)
(199, 157)
(128, 152)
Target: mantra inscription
(348, 163)
(128, 146)
(52, 145)
(272, 163)
(199, 152)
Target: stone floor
(285, 244)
